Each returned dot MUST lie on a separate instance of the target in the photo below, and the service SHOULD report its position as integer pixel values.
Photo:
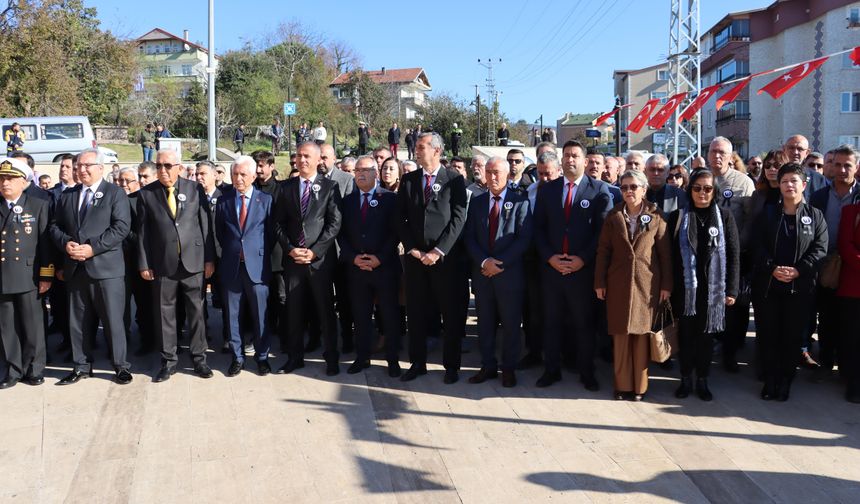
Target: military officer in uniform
(25, 267)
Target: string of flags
(775, 88)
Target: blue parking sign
(289, 108)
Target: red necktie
(243, 213)
(428, 188)
(364, 206)
(494, 221)
(568, 205)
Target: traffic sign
(289, 108)
(592, 133)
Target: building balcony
(723, 118)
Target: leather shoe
(263, 367)
(358, 366)
(291, 365)
(164, 374)
(684, 389)
(590, 383)
(34, 380)
(393, 369)
(509, 379)
(529, 360)
(332, 368)
(203, 371)
(235, 368)
(451, 376)
(483, 375)
(123, 377)
(8, 382)
(74, 377)
(413, 372)
(702, 390)
(548, 378)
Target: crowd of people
(580, 253)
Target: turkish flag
(666, 112)
(855, 56)
(733, 92)
(699, 102)
(778, 87)
(643, 116)
(605, 117)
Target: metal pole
(289, 134)
(617, 127)
(210, 70)
(478, 110)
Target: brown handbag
(664, 338)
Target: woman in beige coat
(633, 273)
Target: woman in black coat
(706, 255)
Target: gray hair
(364, 157)
(548, 157)
(481, 157)
(100, 159)
(814, 155)
(128, 169)
(636, 175)
(846, 150)
(499, 160)
(634, 155)
(409, 162)
(170, 151)
(435, 140)
(206, 163)
(146, 165)
(348, 160)
(724, 140)
(657, 158)
(241, 160)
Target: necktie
(85, 206)
(364, 205)
(243, 213)
(306, 200)
(568, 205)
(171, 201)
(494, 221)
(428, 188)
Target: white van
(48, 138)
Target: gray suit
(345, 181)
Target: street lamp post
(210, 71)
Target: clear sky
(557, 55)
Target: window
(662, 75)
(738, 30)
(141, 49)
(733, 69)
(186, 69)
(853, 17)
(847, 62)
(165, 70)
(661, 95)
(721, 38)
(853, 140)
(28, 129)
(150, 49)
(62, 131)
(851, 102)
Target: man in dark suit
(177, 251)
(368, 249)
(595, 167)
(89, 225)
(668, 198)
(568, 216)
(307, 220)
(205, 176)
(26, 271)
(243, 230)
(57, 295)
(498, 233)
(431, 208)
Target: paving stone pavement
(368, 438)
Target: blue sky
(557, 55)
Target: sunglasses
(675, 176)
(815, 165)
(700, 188)
(629, 187)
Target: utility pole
(210, 70)
(684, 75)
(617, 126)
(494, 95)
(478, 113)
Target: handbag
(830, 270)
(663, 338)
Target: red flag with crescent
(666, 112)
(788, 80)
(643, 116)
(699, 102)
(733, 93)
(855, 56)
(605, 117)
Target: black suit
(26, 257)
(374, 234)
(137, 287)
(569, 298)
(176, 249)
(316, 230)
(436, 224)
(499, 298)
(214, 281)
(58, 295)
(276, 307)
(97, 285)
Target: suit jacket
(437, 224)
(57, 190)
(513, 237)
(213, 200)
(668, 199)
(273, 189)
(321, 224)
(254, 242)
(165, 242)
(25, 247)
(345, 181)
(376, 236)
(590, 206)
(105, 226)
(815, 182)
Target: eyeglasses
(86, 166)
(675, 176)
(166, 166)
(629, 187)
(515, 161)
(771, 166)
(700, 188)
(364, 170)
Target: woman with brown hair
(678, 176)
(389, 174)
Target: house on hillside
(409, 85)
(571, 126)
(165, 56)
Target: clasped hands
(566, 264)
(302, 255)
(427, 258)
(785, 273)
(366, 262)
(79, 252)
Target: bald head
(796, 148)
(327, 158)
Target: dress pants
(364, 287)
(168, 291)
(242, 290)
(849, 364)
(59, 308)
(828, 327)
(568, 308)
(276, 307)
(310, 289)
(141, 291)
(425, 287)
(737, 323)
(499, 300)
(23, 334)
(631, 353)
(784, 317)
(344, 311)
(533, 313)
(696, 346)
(91, 300)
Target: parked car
(49, 138)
